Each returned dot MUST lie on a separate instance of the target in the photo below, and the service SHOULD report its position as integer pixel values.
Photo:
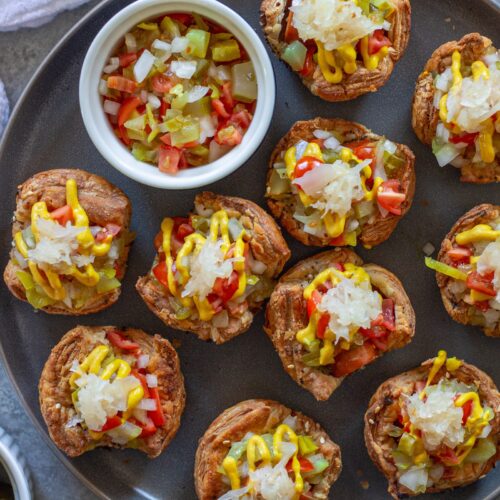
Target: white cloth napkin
(15, 14)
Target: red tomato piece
(218, 107)
(127, 59)
(313, 302)
(127, 108)
(375, 332)
(62, 215)
(305, 465)
(387, 319)
(448, 456)
(181, 17)
(168, 159)
(148, 428)
(350, 361)
(164, 106)
(291, 33)
(229, 136)
(122, 84)
(467, 410)
(459, 254)
(160, 272)
(241, 119)
(377, 41)
(468, 139)
(225, 288)
(364, 150)
(111, 423)
(110, 230)
(157, 415)
(482, 283)
(304, 165)
(161, 83)
(322, 325)
(389, 197)
(142, 379)
(308, 64)
(120, 341)
(339, 241)
(227, 96)
(482, 306)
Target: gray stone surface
(21, 53)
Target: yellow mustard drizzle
(372, 62)
(480, 232)
(308, 334)
(193, 243)
(334, 224)
(485, 139)
(230, 466)
(52, 285)
(92, 364)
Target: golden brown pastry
(435, 427)
(360, 199)
(118, 388)
(262, 446)
(71, 241)
(226, 254)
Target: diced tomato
(120, 341)
(142, 379)
(127, 59)
(291, 33)
(482, 283)
(185, 19)
(227, 96)
(229, 136)
(448, 456)
(459, 255)
(168, 159)
(349, 361)
(110, 230)
(312, 302)
(157, 415)
(122, 133)
(128, 106)
(161, 83)
(377, 41)
(304, 165)
(467, 410)
(182, 228)
(225, 288)
(216, 302)
(389, 197)
(322, 325)
(218, 107)
(242, 119)
(339, 241)
(483, 306)
(375, 332)
(122, 84)
(160, 272)
(387, 319)
(62, 215)
(468, 139)
(308, 64)
(111, 423)
(148, 428)
(164, 106)
(364, 150)
(305, 465)
(380, 344)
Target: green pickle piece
(295, 55)
(226, 50)
(244, 82)
(198, 43)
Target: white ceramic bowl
(101, 132)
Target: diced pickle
(244, 83)
(201, 107)
(295, 55)
(198, 43)
(170, 27)
(188, 133)
(226, 50)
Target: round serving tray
(46, 131)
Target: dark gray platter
(46, 131)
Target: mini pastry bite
(341, 49)
(333, 183)
(435, 427)
(70, 243)
(330, 315)
(214, 268)
(179, 91)
(262, 449)
(468, 269)
(456, 106)
(110, 387)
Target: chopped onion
(415, 479)
(216, 151)
(161, 45)
(258, 267)
(111, 107)
(144, 96)
(154, 101)
(322, 134)
(207, 128)
(143, 66)
(386, 26)
(223, 73)
(140, 415)
(179, 44)
(291, 422)
(221, 320)
(183, 69)
(130, 42)
(390, 147)
(103, 87)
(197, 92)
(152, 380)
(300, 148)
(442, 132)
(147, 404)
(113, 65)
(279, 165)
(379, 169)
(459, 162)
(331, 143)
(428, 249)
(124, 433)
(446, 154)
(142, 361)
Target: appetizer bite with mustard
(468, 269)
(435, 427)
(70, 243)
(330, 315)
(456, 106)
(179, 91)
(214, 268)
(334, 183)
(341, 49)
(111, 387)
(262, 449)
